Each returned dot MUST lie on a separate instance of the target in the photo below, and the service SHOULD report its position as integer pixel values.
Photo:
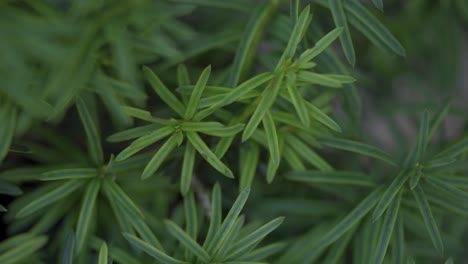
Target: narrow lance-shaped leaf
(103, 254)
(390, 193)
(187, 241)
(456, 149)
(307, 153)
(242, 246)
(250, 39)
(415, 176)
(67, 257)
(297, 99)
(161, 155)
(422, 137)
(348, 222)
(183, 77)
(144, 142)
(295, 38)
(164, 92)
(322, 118)
(197, 93)
(429, 220)
(365, 22)
(152, 251)
(212, 128)
(337, 10)
(85, 216)
(79, 173)
(437, 117)
(92, 133)
(187, 169)
(378, 4)
(266, 101)
(387, 229)
(228, 222)
(248, 159)
(120, 196)
(272, 138)
(18, 253)
(320, 46)
(51, 197)
(132, 133)
(331, 177)
(7, 129)
(358, 147)
(208, 155)
(215, 215)
(236, 93)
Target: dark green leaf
(86, 212)
(429, 220)
(212, 128)
(197, 93)
(152, 251)
(81, 173)
(23, 250)
(208, 155)
(92, 133)
(187, 169)
(390, 193)
(337, 10)
(7, 129)
(358, 147)
(68, 253)
(54, 195)
(132, 133)
(331, 177)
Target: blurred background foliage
(70, 68)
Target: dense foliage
(208, 131)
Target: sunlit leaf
(103, 254)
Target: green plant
(118, 119)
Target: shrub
(205, 131)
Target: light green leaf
(54, 195)
(144, 142)
(163, 92)
(331, 177)
(68, 253)
(228, 222)
(319, 47)
(103, 254)
(187, 241)
(337, 10)
(85, 216)
(429, 220)
(23, 250)
(7, 129)
(318, 78)
(212, 128)
(152, 251)
(244, 245)
(387, 229)
(268, 97)
(81, 173)
(272, 138)
(197, 93)
(187, 169)
(244, 6)
(371, 27)
(231, 236)
(161, 154)
(183, 77)
(390, 193)
(348, 222)
(208, 155)
(295, 38)
(358, 147)
(132, 133)
(250, 39)
(297, 99)
(92, 133)
(138, 113)
(236, 93)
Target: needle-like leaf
(187, 241)
(337, 10)
(320, 46)
(81, 173)
(390, 193)
(103, 254)
(161, 155)
(197, 93)
(92, 133)
(152, 251)
(85, 216)
(187, 169)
